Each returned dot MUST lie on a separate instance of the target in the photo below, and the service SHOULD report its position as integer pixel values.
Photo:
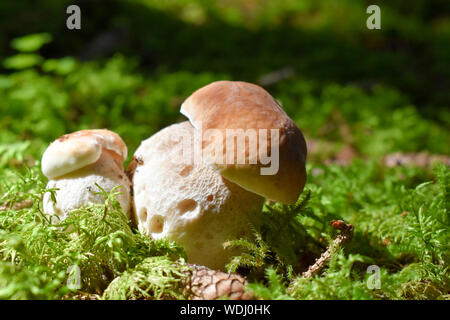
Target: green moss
(153, 278)
(97, 239)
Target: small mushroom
(188, 202)
(229, 111)
(76, 162)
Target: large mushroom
(186, 201)
(203, 203)
(76, 162)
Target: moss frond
(153, 278)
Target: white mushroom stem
(189, 202)
(78, 188)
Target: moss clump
(96, 240)
(153, 278)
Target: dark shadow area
(418, 66)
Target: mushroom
(76, 162)
(225, 111)
(186, 201)
(203, 203)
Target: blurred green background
(134, 61)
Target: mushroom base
(190, 203)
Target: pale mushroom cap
(79, 149)
(225, 105)
(76, 162)
(188, 202)
(78, 188)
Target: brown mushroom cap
(225, 105)
(76, 150)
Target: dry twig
(345, 236)
(27, 203)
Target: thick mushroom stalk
(76, 163)
(179, 197)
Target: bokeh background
(367, 92)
